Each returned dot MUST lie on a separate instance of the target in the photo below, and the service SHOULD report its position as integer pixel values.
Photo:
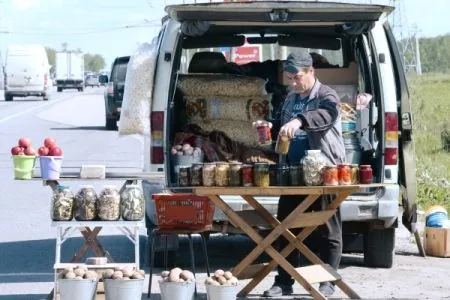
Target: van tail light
(391, 138)
(45, 78)
(110, 88)
(157, 133)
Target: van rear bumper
(26, 91)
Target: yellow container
(23, 166)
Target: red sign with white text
(246, 54)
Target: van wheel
(45, 97)
(59, 90)
(8, 97)
(379, 248)
(111, 124)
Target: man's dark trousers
(326, 239)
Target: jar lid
(365, 166)
(109, 186)
(87, 186)
(133, 185)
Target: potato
(219, 273)
(227, 275)
(178, 147)
(165, 274)
(142, 272)
(70, 275)
(78, 278)
(108, 273)
(215, 282)
(91, 275)
(173, 151)
(174, 275)
(67, 270)
(186, 147)
(188, 152)
(117, 274)
(118, 269)
(126, 278)
(221, 280)
(234, 280)
(128, 272)
(209, 280)
(187, 275)
(79, 272)
(138, 276)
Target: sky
(116, 27)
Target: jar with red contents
(345, 174)
(331, 175)
(365, 174)
(264, 135)
(247, 175)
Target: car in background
(114, 91)
(91, 80)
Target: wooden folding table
(298, 218)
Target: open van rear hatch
(278, 12)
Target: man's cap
(296, 61)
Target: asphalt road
(76, 120)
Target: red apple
(43, 151)
(24, 142)
(29, 151)
(17, 150)
(55, 151)
(49, 142)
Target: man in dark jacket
(311, 118)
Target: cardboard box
(437, 241)
(330, 76)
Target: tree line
(92, 62)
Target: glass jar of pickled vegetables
(85, 204)
(108, 203)
(208, 174)
(282, 145)
(296, 175)
(261, 176)
(313, 165)
(247, 175)
(365, 174)
(184, 176)
(222, 174)
(235, 174)
(197, 174)
(331, 175)
(132, 203)
(345, 174)
(62, 204)
(355, 173)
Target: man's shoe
(278, 290)
(326, 288)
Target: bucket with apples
(24, 158)
(50, 159)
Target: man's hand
(290, 127)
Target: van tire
(81, 89)
(379, 248)
(59, 90)
(46, 97)
(8, 97)
(111, 124)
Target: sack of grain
(221, 85)
(137, 96)
(227, 108)
(240, 131)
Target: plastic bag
(137, 98)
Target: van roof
(270, 11)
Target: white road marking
(50, 102)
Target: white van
(362, 58)
(26, 72)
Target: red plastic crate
(183, 211)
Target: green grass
(431, 109)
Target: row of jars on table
(109, 205)
(310, 172)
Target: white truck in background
(69, 70)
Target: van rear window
(120, 72)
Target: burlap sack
(200, 108)
(221, 85)
(241, 131)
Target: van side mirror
(103, 78)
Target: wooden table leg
(340, 197)
(280, 259)
(273, 235)
(90, 242)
